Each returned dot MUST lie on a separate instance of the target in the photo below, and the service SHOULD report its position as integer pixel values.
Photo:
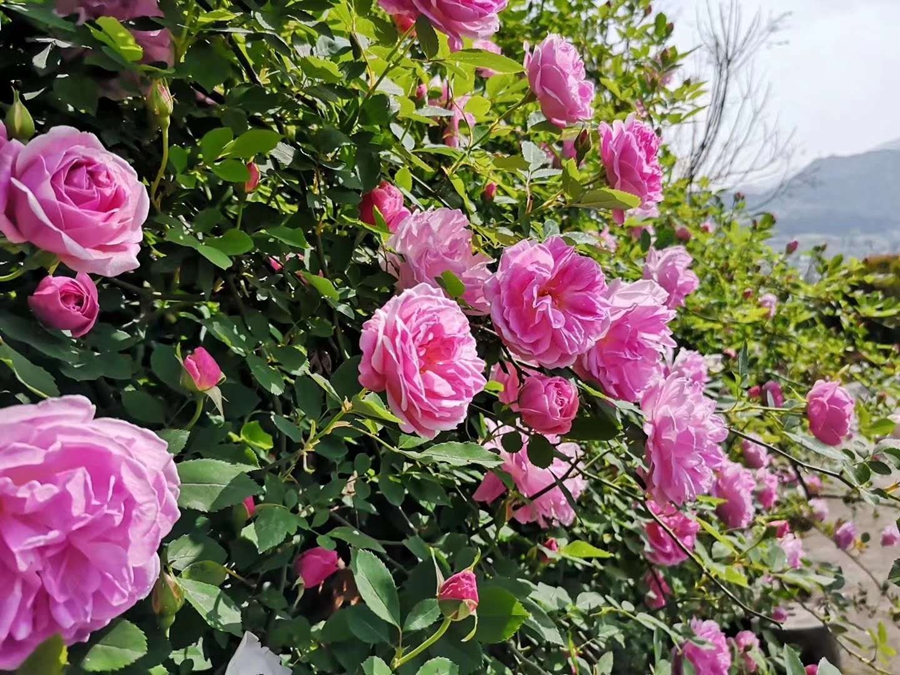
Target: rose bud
(160, 104)
(551, 545)
(166, 599)
(19, 123)
(490, 191)
(755, 391)
(252, 182)
(584, 143)
(316, 565)
(201, 372)
(458, 596)
(682, 233)
(65, 303)
(388, 200)
(241, 513)
(791, 246)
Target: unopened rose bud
(160, 104)
(490, 191)
(201, 372)
(682, 233)
(19, 123)
(316, 565)
(748, 293)
(166, 599)
(791, 246)
(755, 391)
(583, 145)
(422, 92)
(458, 596)
(252, 182)
(241, 513)
(551, 545)
(738, 196)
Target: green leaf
(582, 549)
(231, 171)
(273, 524)
(403, 179)
(48, 659)
(500, 615)
(253, 434)
(792, 663)
(371, 406)
(825, 668)
(321, 284)
(33, 377)
(458, 454)
(215, 256)
(175, 438)
(293, 237)
(118, 37)
(439, 666)
(356, 538)
(607, 198)
(210, 485)
(540, 451)
(894, 575)
(428, 39)
(424, 614)
(268, 377)
(365, 626)
(216, 608)
(233, 242)
(375, 666)
(207, 571)
(120, 647)
(598, 427)
(194, 547)
(143, 406)
(213, 142)
(376, 586)
(452, 284)
(252, 143)
(484, 59)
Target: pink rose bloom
(547, 302)
(663, 549)
(890, 536)
(627, 358)
(735, 485)
(629, 153)
(66, 194)
(488, 46)
(658, 590)
(202, 371)
(746, 642)
(773, 396)
(607, 241)
(420, 350)
(755, 455)
(550, 508)
(708, 226)
(388, 200)
(829, 408)
(691, 366)
(819, 508)
(669, 268)
(428, 243)
(769, 302)
(157, 45)
(548, 404)
(845, 535)
(68, 304)
(714, 658)
(683, 437)
(507, 375)
(455, 18)
(316, 565)
(780, 614)
(84, 505)
(458, 596)
(683, 234)
(123, 10)
(792, 546)
(813, 484)
(768, 488)
(556, 76)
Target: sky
(833, 73)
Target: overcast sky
(835, 76)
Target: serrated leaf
(194, 547)
(607, 198)
(211, 602)
(33, 377)
(458, 454)
(356, 538)
(213, 142)
(480, 58)
(210, 485)
(439, 666)
(251, 143)
(376, 586)
(321, 284)
(120, 647)
(500, 615)
(273, 524)
(231, 171)
(48, 659)
(424, 614)
(375, 666)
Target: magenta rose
(829, 408)
(735, 485)
(201, 372)
(84, 505)
(556, 76)
(548, 302)
(458, 596)
(68, 304)
(157, 45)
(669, 268)
(663, 549)
(629, 153)
(420, 350)
(714, 657)
(548, 404)
(123, 10)
(68, 195)
(773, 395)
(455, 18)
(755, 455)
(507, 375)
(316, 565)
(388, 200)
(746, 642)
(657, 590)
(768, 488)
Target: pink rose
(508, 376)
(819, 508)
(455, 18)
(66, 194)
(556, 76)
(627, 358)
(845, 534)
(458, 596)
(420, 350)
(68, 304)
(428, 243)
(770, 303)
(669, 268)
(488, 46)
(890, 536)
(550, 545)
(201, 372)
(157, 45)
(683, 437)
(657, 590)
(690, 365)
(780, 614)
(84, 506)
(773, 396)
(829, 408)
(250, 506)
(123, 10)
(768, 488)
(735, 485)
(714, 657)
(553, 505)
(792, 546)
(663, 549)
(782, 527)
(629, 152)
(548, 404)
(755, 391)
(547, 302)
(316, 565)
(388, 200)
(746, 642)
(755, 455)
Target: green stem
(162, 166)
(15, 274)
(197, 412)
(406, 658)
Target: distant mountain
(851, 203)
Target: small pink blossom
(812, 669)
(735, 485)
(708, 226)
(792, 546)
(791, 247)
(657, 590)
(780, 614)
(781, 527)
(458, 596)
(64, 303)
(557, 78)
(746, 642)
(773, 394)
(830, 409)
(388, 200)
(890, 536)
(508, 376)
(607, 241)
(714, 658)
(682, 233)
(768, 488)
(253, 182)
(819, 508)
(845, 535)
(490, 191)
(548, 404)
(629, 152)
(663, 549)
(755, 455)
(669, 268)
(813, 484)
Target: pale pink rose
(819, 508)
(813, 484)
(714, 657)
(85, 505)
(627, 358)
(657, 590)
(607, 241)
(690, 365)
(316, 565)
(548, 302)
(157, 45)
(735, 485)
(663, 549)
(845, 535)
(66, 194)
(629, 152)
(890, 536)
(488, 46)
(829, 408)
(507, 375)
(420, 350)
(388, 200)
(201, 372)
(770, 303)
(428, 243)
(548, 404)
(458, 596)
(123, 10)
(792, 546)
(773, 396)
(557, 78)
(768, 488)
(755, 455)
(780, 614)
(455, 18)
(708, 226)
(683, 437)
(65, 303)
(669, 268)
(551, 507)
(746, 642)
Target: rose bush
(309, 306)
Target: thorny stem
(438, 634)
(162, 168)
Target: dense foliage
(237, 260)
